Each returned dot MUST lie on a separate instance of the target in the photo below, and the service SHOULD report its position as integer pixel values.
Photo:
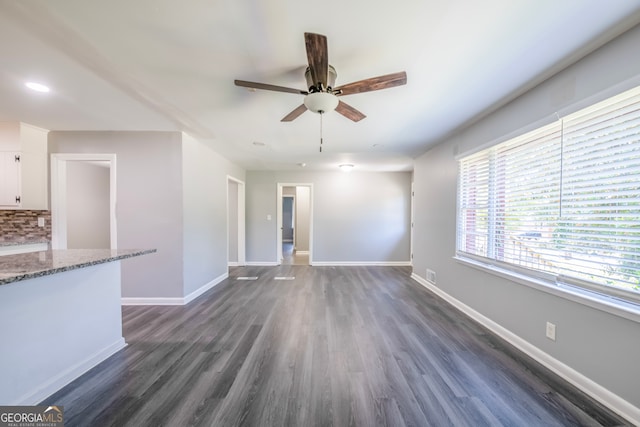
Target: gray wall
(601, 346)
(357, 217)
(205, 213)
(88, 220)
(149, 203)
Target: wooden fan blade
(318, 58)
(294, 114)
(374, 83)
(264, 86)
(349, 112)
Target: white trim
(152, 301)
(261, 263)
(233, 264)
(204, 288)
(602, 302)
(302, 252)
(590, 387)
(59, 195)
(175, 300)
(67, 376)
(362, 263)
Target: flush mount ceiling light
(347, 167)
(321, 102)
(38, 87)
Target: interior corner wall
(602, 347)
(205, 181)
(358, 217)
(149, 203)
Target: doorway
(235, 222)
(294, 219)
(83, 201)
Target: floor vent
(247, 278)
(284, 278)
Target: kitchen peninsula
(60, 315)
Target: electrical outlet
(40, 221)
(431, 276)
(551, 331)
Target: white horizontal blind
(564, 199)
(599, 230)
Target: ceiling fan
(322, 95)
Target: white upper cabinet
(23, 167)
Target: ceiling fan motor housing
(314, 86)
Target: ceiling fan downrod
(321, 113)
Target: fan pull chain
(321, 131)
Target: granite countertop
(22, 242)
(14, 268)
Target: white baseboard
(152, 301)
(195, 294)
(261, 263)
(63, 378)
(360, 263)
(233, 264)
(297, 252)
(590, 387)
(175, 300)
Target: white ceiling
(170, 65)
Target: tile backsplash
(19, 225)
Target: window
(562, 202)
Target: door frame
(59, 195)
(241, 220)
(279, 225)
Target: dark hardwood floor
(336, 346)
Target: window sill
(608, 304)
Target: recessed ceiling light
(302, 165)
(347, 167)
(259, 144)
(38, 87)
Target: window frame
(610, 299)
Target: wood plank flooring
(336, 346)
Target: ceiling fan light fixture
(321, 102)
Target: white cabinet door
(10, 178)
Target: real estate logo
(31, 416)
